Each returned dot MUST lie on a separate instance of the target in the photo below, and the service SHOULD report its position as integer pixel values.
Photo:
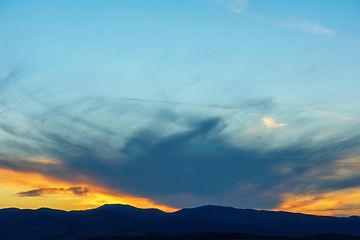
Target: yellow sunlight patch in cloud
(253, 130)
(270, 122)
(334, 115)
(44, 161)
(54, 193)
(337, 203)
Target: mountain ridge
(119, 219)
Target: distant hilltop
(125, 220)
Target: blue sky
(234, 102)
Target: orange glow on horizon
(336, 203)
(14, 182)
(342, 202)
(40, 190)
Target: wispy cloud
(242, 6)
(270, 122)
(334, 115)
(238, 6)
(312, 27)
(301, 25)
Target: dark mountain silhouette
(223, 236)
(130, 211)
(208, 222)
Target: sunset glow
(337, 203)
(13, 183)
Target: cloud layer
(179, 160)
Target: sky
(178, 104)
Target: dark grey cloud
(74, 191)
(193, 165)
(78, 191)
(40, 191)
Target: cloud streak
(334, 115)
(311, 27)
(242, 6)
(238, 6)
(73, 191)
